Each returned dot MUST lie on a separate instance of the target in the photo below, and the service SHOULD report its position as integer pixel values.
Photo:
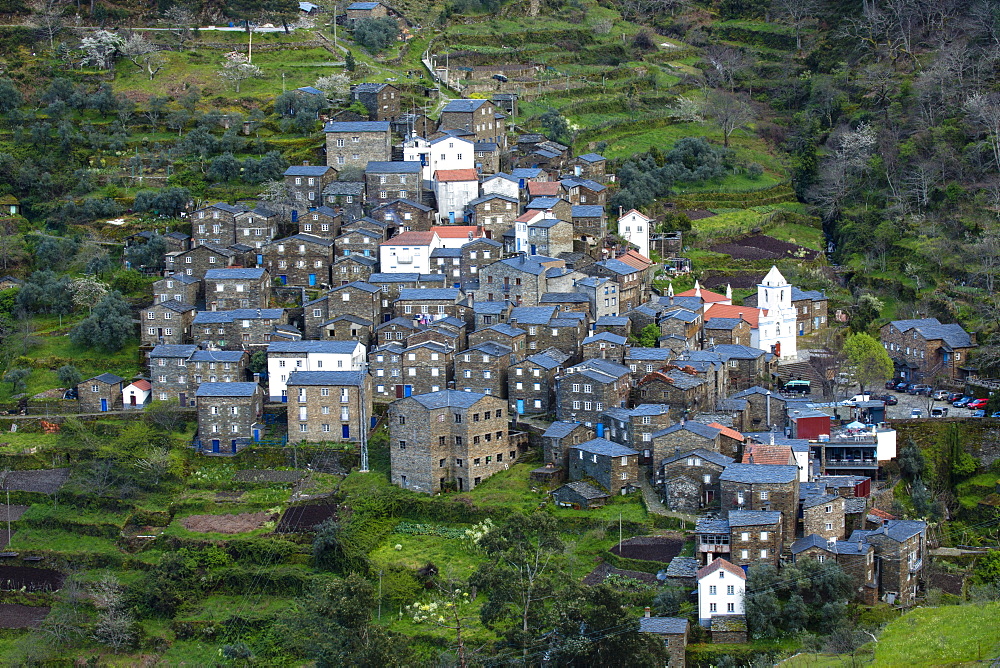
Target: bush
(376, 34)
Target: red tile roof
(544, 188)
(727, 431)
(721, 563)
(881, 514)
(748, 313)
(456, 231)
(142, 384)
(456, 175)
(636, 259)
(411, 238)
(707, 296)
(765, 453)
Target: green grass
(948, 635)
(29, 539)
(41, 512)
(19, 441)
(219, 607)
(451, 555)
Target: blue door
(451, 217)
(295, 215)
(600, 430)
(256, 435)
(283, 278)
(520, 406)
(534, 249)
(260, 259)
(104, 405)
(215, 445)
(234, 446)
(407, 390)
(345, 431)
(312, 279)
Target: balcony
(916, 566)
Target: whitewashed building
(408, 252)
(443, 153)
(776, 328)
(721, 586)
(501, 184)
(454, 189)
(634, 228)
(284, 357)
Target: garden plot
(46, 481)
(763, 247)
(600, 574)
(228, 524)
(14, 616)
(306, 518)
(649, 548)
(13, 578)
(266, 475)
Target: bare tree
(730, 111)
(238, 69)
(180, 20)
(47, 18)
(135, 46)
(336, 86)
(796, 13)
(983, 109)
(726, 63)
(153, 63)
(985, 254)
(919, 181)
(115, 625)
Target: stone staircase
(801, 371)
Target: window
(821, 558)
(712, 607)
(763, 554)
(745, 536)
(744, 554)
(402, 445)
(764, 495)
(707, 478)
(829, 526)
(730, 607)
(764, 535)
(730, 590)
(711, 590)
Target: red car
(977, 404)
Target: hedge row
(767, 39)
(98, 530)
(634, 564)
(281, 580)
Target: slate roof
(357, 126)
(753, 518)
(543, 360)
(757, 473)
(526, 172)
(173, 350)
(617, 266)
(489, 197)
(423, 294)
(813, 295)
(490, 308)
(757, 389)
(694, 427)
(506, 329)
(363, 5)
(711, 525)
(733, 351)
(900, 530)
(400, 167)
(602, 446)
(407, 202)
(358, 285)
(326, 378)
(678, 379)
(584, 489)
(446, 252)
(465, 106)
(234, 274)
(448, 398)
(648, 354)
(681, 314)
(370, 87)
(818, 500)
(663, 625)
(544, 202)
(560, 429)
(603, 371)
(175, 306)
(587, 210)
(344, 188)
(486, 146)
(707, 455)
(589, 184)
(532, 315)
(227, 389)
(305, 238)
(108, 378)
(811, 541)
(490, 348)
(607, 337)
(217, 355)
(307, 170)
(855, 505)
(932, 329)
(333, 347)
(724, 323)
(546, 223)
(575, 297)
(612, 321)
(217, 317)
(591, 157)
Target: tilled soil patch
(13, 616)
(30, 579)
(947, 582)
(46, 481)
(306, 518)
(597, 576)
(649, 548)
(239, 523)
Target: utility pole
(335, 26)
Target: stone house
(345, 198)
(229, 416)
(487, 156)
(301, 260)
(601, 293)
(617, 324)
(691, 479)
(531, 384)
(635, 426)
(579, 494)
(685, 392)
(581, 190)
(762, 487)
(756, 537)
(358, 242)
(745, 366)
(494, 212)
(392, 284)
(196, 262)
(286, 357)
(217, 366)
(521, 280)
(481, 117)
(585, 390)
(483, 368)
(397, 330)
(166, 322)
(721, 587)
(823, 515)
(215, 224)
(454, 189)
(550, 237)
(365, 10)
(764, 407)
(674, 633)
(348, 328)
(238, 329)
(323, 222)
(687, 435)
(589, 223)
(329, 406)
(227, 289)
(305, 184)
(351, 268)
(358, 299)
(405, 214)
(926, 349)
(900, 551)
(448, 439)
(513, 337)
(430, 304)
(356, 143)
(418, 369)
(100, 394)
(447, 262)
(857, 559)
(382, 100)
(589, 166)
(388, 181)
(550, 328)
(177, 287)
(550, 207)
(566, 302)
(501, 183)
(613, 466)
(631, 287)
(560, 437)
(604, 346)
(487, 314)
(474, 256)
(727, 331)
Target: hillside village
(450, 341)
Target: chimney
(647, 611)
(972, 337)
(305, 163)
(751, 458)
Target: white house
(454, 188)
(720, 590)
(408, 252)
(284, 357)
(776, 330)
(634, 228)
(521, 228)
(443, 153)
(501, 184)
(456, 236)
(136, 394)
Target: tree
(166, 415)
(135, 46)
(100, 49)
(796, 13)
(983, 109)
(731, 112)
(349, 63)
(87, 292)
(10, 96)
(376, 34)
(912, 463)
(521, 575)
(180, 20)
(555, 125)
(47, 18)
(327, 549)
(16, 378)
(69, 375)
(868, 360)
(258, 361)
(451, 609)
(108, 328)
(150, 254)
(238, 69)
(866, 311)
(115, 625)
(649, 336)
(224, 167)
(336, 86)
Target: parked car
(902, 386)
(916, 413)
(939, 412)
(961, 403)
(954, 396)
(853, 401)
(920, 389)
(979, 413)
(939, 395)
(995, 414)
(891, 384)
(887, 399)
(797, 387)
(977, 404)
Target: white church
(772, 321)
